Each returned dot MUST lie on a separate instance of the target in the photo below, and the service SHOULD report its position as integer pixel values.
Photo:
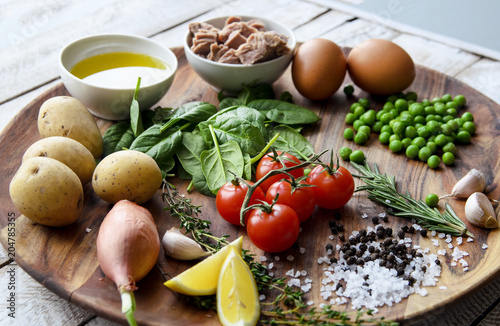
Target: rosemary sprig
(287, 307)
(381, 188)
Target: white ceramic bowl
(109, 102)
(230, 77)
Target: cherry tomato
(299, 197)
(230, 198)
(275, 230)
(333, 190)
(272, 162)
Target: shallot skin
(128, 244)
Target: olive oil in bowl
(121, 70)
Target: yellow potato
(47, 192)
(127, 174)
(68, 117)
(66, 150)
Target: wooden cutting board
(64, 259)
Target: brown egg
(318, 69)
(380, 67)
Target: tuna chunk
(229, 57)
(262, 46)
(243, 28)
(202, 41)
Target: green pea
(398, 127)
(451, 105)
(411, 96)
(417, 109)
(344, 153)
(394, 112)
(358, 123)
(354, 106)
(432, 200)
(350, 118)
(470, 127)
(440, 108)
(411, 132)
(412, 151)
(447, 98)
(388, 106)
(394, 137)
(392, 98)
(364, 103)
(433, 127)
(386, 128)
(452, 112)
(447, 118)
(464, 137)
(446, 129)
(450, 148)
(429, 110)
(424, 153)
(357, 156)
(401, 104)
(419, 119)
(406, 142)
(348, 90)
(348, 134)
(386, 117)
(426, 102)
(369, 117)
(432, 146)
(433, 161)
(423, 132)
(430, 117)
(441, 140)
(377, 126)
(438, 118)
(419, 141)
(448, 158)
(359, 111)
(467, 116)
(460, 100)
(406, 118)
(360, 138)
(395, 145)
(384, 137)
(437, 100)
(366, 129)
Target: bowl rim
(173, 65)
(292, 43)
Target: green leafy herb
(135, 112)
(382, 189)
(284, 112)
(117, 137)
(194, 112)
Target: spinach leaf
(229, 102)
(247, 170)
(193, 112)
(255, 92)
(292, 141)
(135, 112)
(189, 151)
(200, 183)
(233, 128)
(160, 146)
(284, 112)
(161, 115)
(217, 164)
(117, 137)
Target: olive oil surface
(121, 70)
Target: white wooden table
(33, 32)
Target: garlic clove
(472, 182)
(181, 247)
(479, 211)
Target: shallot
(128, 246)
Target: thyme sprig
(382, 189)
(288, 306)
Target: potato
(127, 174)
(68, 117)
(66, 150)
(47, 192)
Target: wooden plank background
(33, 32)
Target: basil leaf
(233, 128)
(284, 112)
(189, 151)
(194, 112)
(135, 112)
(117, 137)
(292, 141)
(217, 164)
(160, 146)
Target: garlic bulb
(479, 211)
(179, 246)
(472, 182)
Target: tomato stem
(251, 188)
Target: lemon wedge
(237, 295)
(201, 279)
